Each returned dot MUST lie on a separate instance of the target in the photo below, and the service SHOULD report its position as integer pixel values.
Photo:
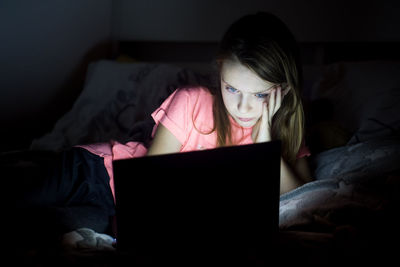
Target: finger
(263, 130)
(278, 100)
(265, 113)
(271, 104)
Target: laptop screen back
(200, 205)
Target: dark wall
(44, 48)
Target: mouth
(245, 119)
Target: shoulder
(182, 109)
(193, 93)
(188, 99)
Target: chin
(246, 124)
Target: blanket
(353, 202)
(351, 206)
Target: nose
(244, 105)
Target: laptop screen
(198, 205)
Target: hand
(270, 107)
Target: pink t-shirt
(187, 114)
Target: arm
(164, 142)
(292, 178)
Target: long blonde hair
(265, 45)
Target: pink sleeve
(114, 150)
(303, 151)
(173, 114)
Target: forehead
(242, 78)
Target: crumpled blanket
(355, 196)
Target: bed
(351, 94)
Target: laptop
(200, 207)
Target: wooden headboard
(311, 52)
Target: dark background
(46, 45)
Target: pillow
(363, 96)
(116, 103)
(381, 119)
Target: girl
(257, 99)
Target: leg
(56, 193)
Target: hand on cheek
(269, 109)
(274, 102)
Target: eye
(231, 89)
(261, 96)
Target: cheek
(229, 100)
(257, 107)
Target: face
(243, 93)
